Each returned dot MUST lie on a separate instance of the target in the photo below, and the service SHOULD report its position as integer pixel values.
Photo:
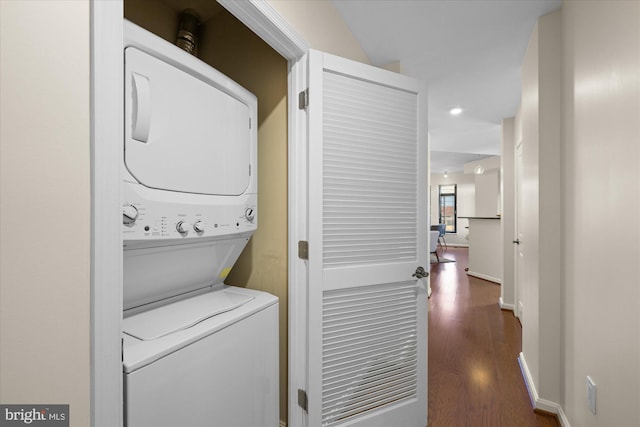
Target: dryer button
(129, 214)
(199, 227)
(183, 227)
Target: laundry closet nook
(227, 45)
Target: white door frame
(106, 243)
(106, 19)
(297, 231)
(516, 259)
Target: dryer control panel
(141, 222)
(145, 219)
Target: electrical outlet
(591, 395)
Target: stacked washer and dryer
(195, 351)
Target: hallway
(474, 377)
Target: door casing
(518, 248)
(106, 20)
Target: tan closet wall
(236, 51)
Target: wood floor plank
(474, 377)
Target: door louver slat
(359, 326)
(361, 333)
(369, 173)
(369, 350)
(339, 381)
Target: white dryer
(195, 351)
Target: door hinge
(303, 249)
(303, 402)
(249, 122)
(303, 99)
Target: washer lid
(183, 132)
(177, 316)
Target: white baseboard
(536, 401)
(457, 245)
(504, 306)
(485, 277)
(562, 417)
(528, 380)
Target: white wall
(488, 193)
(507, 173)
(465, 199)
(485, 249)
(528, 226)
(582, 131)
(549, 204)
(601, 174)
(45, 205)
(541, 105)
(322, 27)
(488, 163)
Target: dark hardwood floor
(474, 376)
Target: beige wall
(549, 210)
(488, 193)
(601, 173)
(508, 200)
(528, 227)
(320, 24)
(45, 205)
(587, 323)
(540, 110)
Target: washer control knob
(199, 227)
(249, 214)
(129, 214)
(182, 227)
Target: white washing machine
(221, 371)
(195, 351)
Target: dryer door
(182, 133)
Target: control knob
(199, 227)
(129, 214)
(249, 214)
(182, 227)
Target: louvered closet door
(367, 235)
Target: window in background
(447, 206)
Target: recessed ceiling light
(455, 111)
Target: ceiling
(470, 54)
